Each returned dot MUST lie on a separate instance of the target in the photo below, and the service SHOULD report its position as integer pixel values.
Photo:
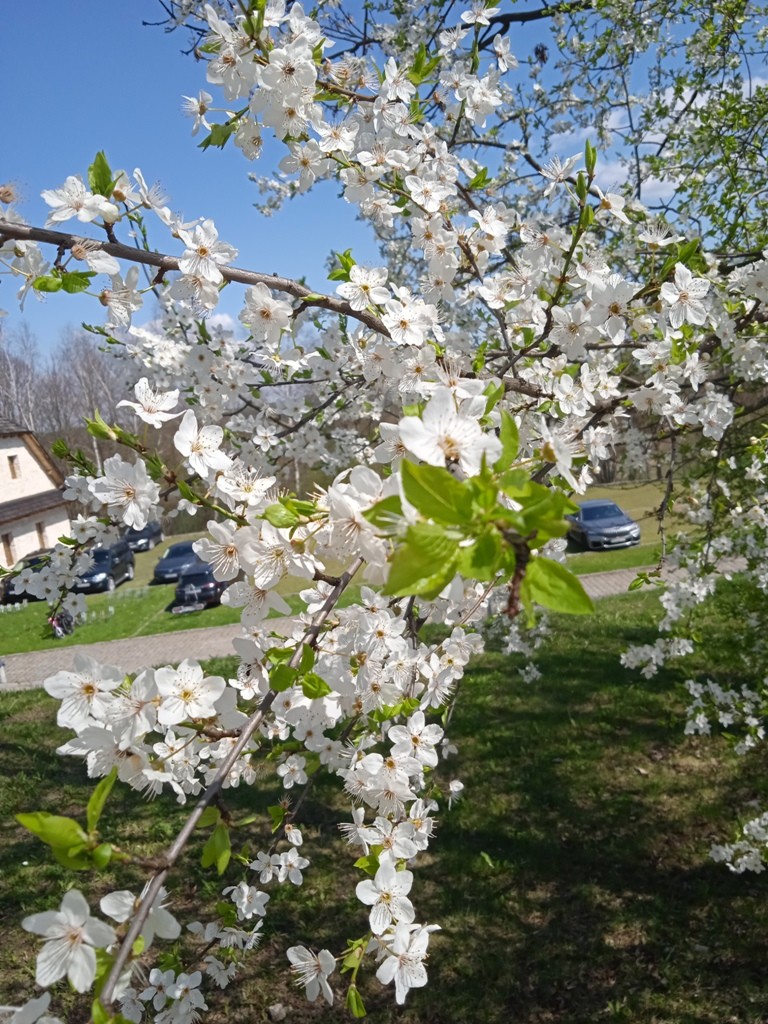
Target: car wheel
(130, 572)
(110, 584)
(161, 538)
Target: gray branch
(175, 849)
(27, 233)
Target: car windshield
(608, 511)
(100, 555)
(178, 550)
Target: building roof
(33, 504)
(8, 427)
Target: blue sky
(86, 75)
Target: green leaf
(509, 436)
(60, 448)
(277, 814)
(98, 1014)
(47, 283)
(186, 492)
(436, 493)
(54, 829)
(280, 516)
(99, 428)
(481, 559)
(587, 218)
(104, 962)
(307, 660)
(100, 180)
(687, 251)
(76, 858)
(98, 800)
(424, 564)
(480, 179)
(282, 677)
(220, 134)
(102, 855)
(385, 513)
(228, 914)
(403, 708)
(354, 957)
(590, 158)
(313, 686)
(218, 849)
(355, 1003)
(279, 655)
(210, 816)
(369, 863)
(553, 586)
(493, 395)
(302, 508)
(155, 466)
(346, 262)
(74, 281)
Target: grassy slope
(138, 610)
(572, 881)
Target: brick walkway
(27, 671)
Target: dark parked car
(34, 560)
(198, 588)
(176, 559)
(601, 524)
(145, 539)
(111, 565)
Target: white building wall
(20, 472)
(25, 537)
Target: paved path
(27, 671)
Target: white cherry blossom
(71, 938)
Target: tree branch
(27, 233)
(175, 849)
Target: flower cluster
(432, 392)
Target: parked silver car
(601, 524)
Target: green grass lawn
(134, 609)
(572, 880)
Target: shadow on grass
(572, 882)
(574, 877)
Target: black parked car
(198, 588)
(601, 524)
(111, 565)
(176, 559)
(146, 538)
(34, 560)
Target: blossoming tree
(522, 325)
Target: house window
(13, 466)
(40, 527)
(8, 549)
